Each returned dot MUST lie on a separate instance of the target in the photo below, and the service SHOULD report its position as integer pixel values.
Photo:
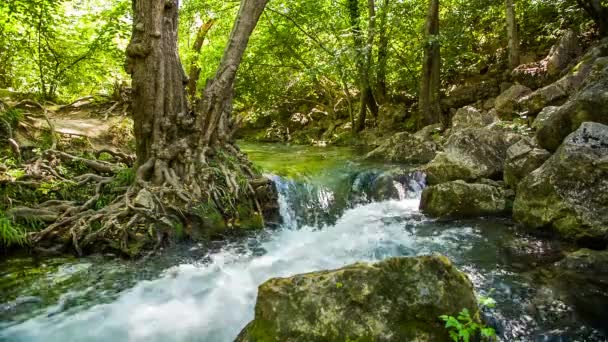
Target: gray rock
(459, 199)
(590, 104)
(506, 103)
(523, 158)
(569, 192)
(563, 52)
(467, 94)
(404, 148)
(557, 92)
(399, 299)
(471, 154)
(467, 117)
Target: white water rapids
(213, 301)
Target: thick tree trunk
(430, 109)
(598, 10)
(195, 70)
(363, 57)
(383, 41)
(512, 34)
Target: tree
(187, 169)
(512, 33)
(383, 51)
(363, 55)
(598, 10)
(430, 109)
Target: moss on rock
(399, 299)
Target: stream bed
(336, 210)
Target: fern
(10, 233)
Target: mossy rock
(459, 199)
(399, 299)
(404, 148)
(569, 192)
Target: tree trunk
(363, 57)
(430, 109)
(195, 70)
(512, 34)
(598, 10)
(383, 41)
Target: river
(336, 210)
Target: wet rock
(398, 299)
(471, 154)
(524, 253)
(590, 104)
(569, 192)
(583, 277)
(459, 199)
(470, 116)
(404, 148)
(523, 158)
(506, 103)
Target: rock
(506, 103)
(563, 53)
(471, 154)
(590, 104)
(489, 103)
(569, 192)
(524, 253)
(467, 117)
(398, 299)
(429, 133)
(144, 199)
(404, 148)
(459, 199)
(583, 277)
(523, 158)
(556, 93)
(467, 94)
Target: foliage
(62, 48)
(10, 233)
(464, 327)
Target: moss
(248, 218)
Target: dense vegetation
(313, 72)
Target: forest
(303, 170)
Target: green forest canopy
(301, 54)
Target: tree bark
(512, 33)
(430, 109)
(363, 57)
(598, 10)
(195, 70)
(383, 51)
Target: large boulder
(471, 154)
(523, 158)
(506, 103)
(404, 148)
(569, 192)
(590, 104)
(459, 199)
(470, 116)
(399, 299)
(566, 49)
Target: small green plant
(10, 233)
(463, 326)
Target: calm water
(336, 211)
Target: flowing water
(336, 211)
